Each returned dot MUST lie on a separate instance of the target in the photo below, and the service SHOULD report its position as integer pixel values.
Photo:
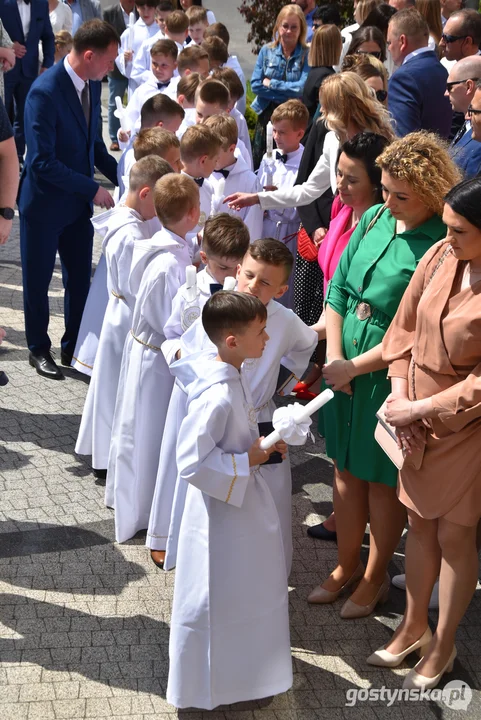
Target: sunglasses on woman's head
(381, 95)
(374, 53)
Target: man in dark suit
(416, 96)
(461, 88)
(118, 16)
(27, 24)
(57, 188)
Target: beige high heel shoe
(351, 610)
(383, 658)
(414, 680)
(320, 596)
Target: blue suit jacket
(40, 31)
(416, 96)
(57, 183)
(467, 155)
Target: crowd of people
(338, 245)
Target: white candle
(229, 283)
(120, 113)
(299, 417)
(131, 30)
(269, 140)
(191, 282)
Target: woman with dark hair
(186, 4)
(369, 41)
(433, 349)
(379, 17)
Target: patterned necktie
(85, 100)
(199, 181)
(459, 134)
(224, 172)
(279, 156)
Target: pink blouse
(336, 240)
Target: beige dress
(434, 342)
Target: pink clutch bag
(385, 436)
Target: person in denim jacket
(280, 72)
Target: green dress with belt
(375, 269)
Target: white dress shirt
(78, 83)
(414, 53)
(25, 12)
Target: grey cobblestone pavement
(84, 622)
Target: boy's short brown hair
(229, 313)
(225, 236)
(294, 111)
(177, 22)
(197, 14)
(190, 57)
(164, 47)
(225, 128)
(272, 252)
(164, 6)
(218, 29)
(198, 141)
(154, 141)
(187, 86)
(231, 80)
(146, 171)
(216, 49)
(159, 108)
(174, 196)
(213, 92)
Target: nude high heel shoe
(351, 610)
(383, 658)
(321, 596)
(414, 680)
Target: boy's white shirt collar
(236, 168)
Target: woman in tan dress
(433, 348)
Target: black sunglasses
(375, 53)
(450, 85)
(381, 95)
(471, 111)
(452, 38)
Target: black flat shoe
(45, 365)
(65, 359)
(100, 474)
(321, 533)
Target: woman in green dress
(362, 299)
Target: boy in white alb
(158, 111)
(141, 60)
(229, 631)
(161, 80)
(127, 224)
(225, 240)
(263, 273)
(232, 173)
(236, 91)
(199, 149)
(219, 30)
(289, 122)
(144, 28)
(145, 381)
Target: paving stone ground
(84, 621)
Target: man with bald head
(460, 89)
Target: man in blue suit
(27, 22)
(57, 188)
(416, 89)
(461, 88)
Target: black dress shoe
(321, 533)
(65, 359)
(45, 365)
(100, 474)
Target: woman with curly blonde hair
(362, 299)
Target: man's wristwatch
(7, 213)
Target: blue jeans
(117, 86)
